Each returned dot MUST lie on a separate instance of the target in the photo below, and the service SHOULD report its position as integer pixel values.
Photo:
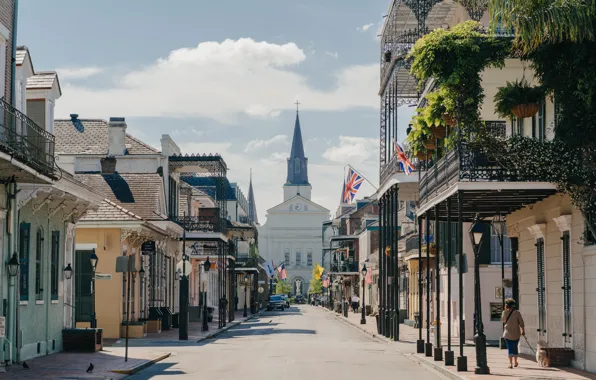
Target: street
(299, 343)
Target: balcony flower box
(449, 120)
(518, 99)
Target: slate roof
(137, 193)
(110, 211)
(90, 136)
(42, 80)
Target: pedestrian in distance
(514, 328)
(355, 303)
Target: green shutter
(24, 250)
(484, 254)
(55, 264)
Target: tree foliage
(315, 286)
(283, 287)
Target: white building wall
(583, 277)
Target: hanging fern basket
(440, 132)
(449, 120)
(429, 144)
(522, 111)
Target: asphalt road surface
(302, 342)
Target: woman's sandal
(510, 366)
(516, 364)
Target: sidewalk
(497, 358)
(109, 363)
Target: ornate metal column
(428, 348)
(462, 361)
(438, 352)
(420, 342)
(449, 356)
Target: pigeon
(25, 365)
(271, 321)
(90, 369)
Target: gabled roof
(90, 136)
(282, 206)
(22, 54)
(110, 211)
(138, 193)
(43, 80)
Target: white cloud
(78, 72)
(221, 80)
(365, 27)
(353, 150)
(260, 144)
(333, 54)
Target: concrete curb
(142, 366)
(229, 326)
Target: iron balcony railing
(345, 267)
(26, 141)
(469, 163)
(203, 223)
(394, 167)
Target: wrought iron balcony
(469, 164)
(26, 141)
(394, 167)
(345, 267)
(203, 223)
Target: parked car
(299, 299)
(276, 302)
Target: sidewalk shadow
(157, 369)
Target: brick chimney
(116, 136)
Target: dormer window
(296, 165)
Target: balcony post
(438, 352)
(462, 361)
(449, 356)
(429, 346)
(420, 341)
(396, 286)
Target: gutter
(13, 69)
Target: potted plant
(518, 99)
(420, 137)
(434, 113)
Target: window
(287, 257)
(24, 247)
(55, 263)
(297, 165)
(541, 289)
(495, 249)
(567, 286)
(589, 237)
(309, 258)
(542, 120)
(298, 257)
(38, 261)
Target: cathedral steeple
(252, 207)
(297, 163)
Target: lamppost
(206, 267)
(142, 290)
(93, 259)
(184, 298)
(476, 235)
(244, 314)
(499, 228)
(363, 319)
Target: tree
(536, 22)
(282, 287)
(316, 286)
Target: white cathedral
(293, 231)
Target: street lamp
(476, 234)
(13, 265)
(67, 272)
(364, 270)
(93, 259)
(206, 267)
(245, 294)
(142, 289)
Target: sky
(223, 77)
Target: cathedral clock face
(297, 207)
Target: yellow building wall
(108, 293)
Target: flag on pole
(404, 162)
(368, 280)
(318, 271)
(352, 184)
(283, 273)
(325, 281)
(268, 269)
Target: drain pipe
(13, 70)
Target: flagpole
(361, 175)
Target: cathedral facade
(293, 231)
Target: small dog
(542, 355)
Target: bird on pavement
(271, 321)
(25, 365)
(90, 369)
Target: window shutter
(541, 289)
(567, 285)
(485, 246)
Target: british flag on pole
(404, 162)
(352, 184)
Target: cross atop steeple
(297, 105)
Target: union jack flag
(351, 186)
(405, 164)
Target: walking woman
(513, 330)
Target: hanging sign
(103, 276)
(148, 248)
